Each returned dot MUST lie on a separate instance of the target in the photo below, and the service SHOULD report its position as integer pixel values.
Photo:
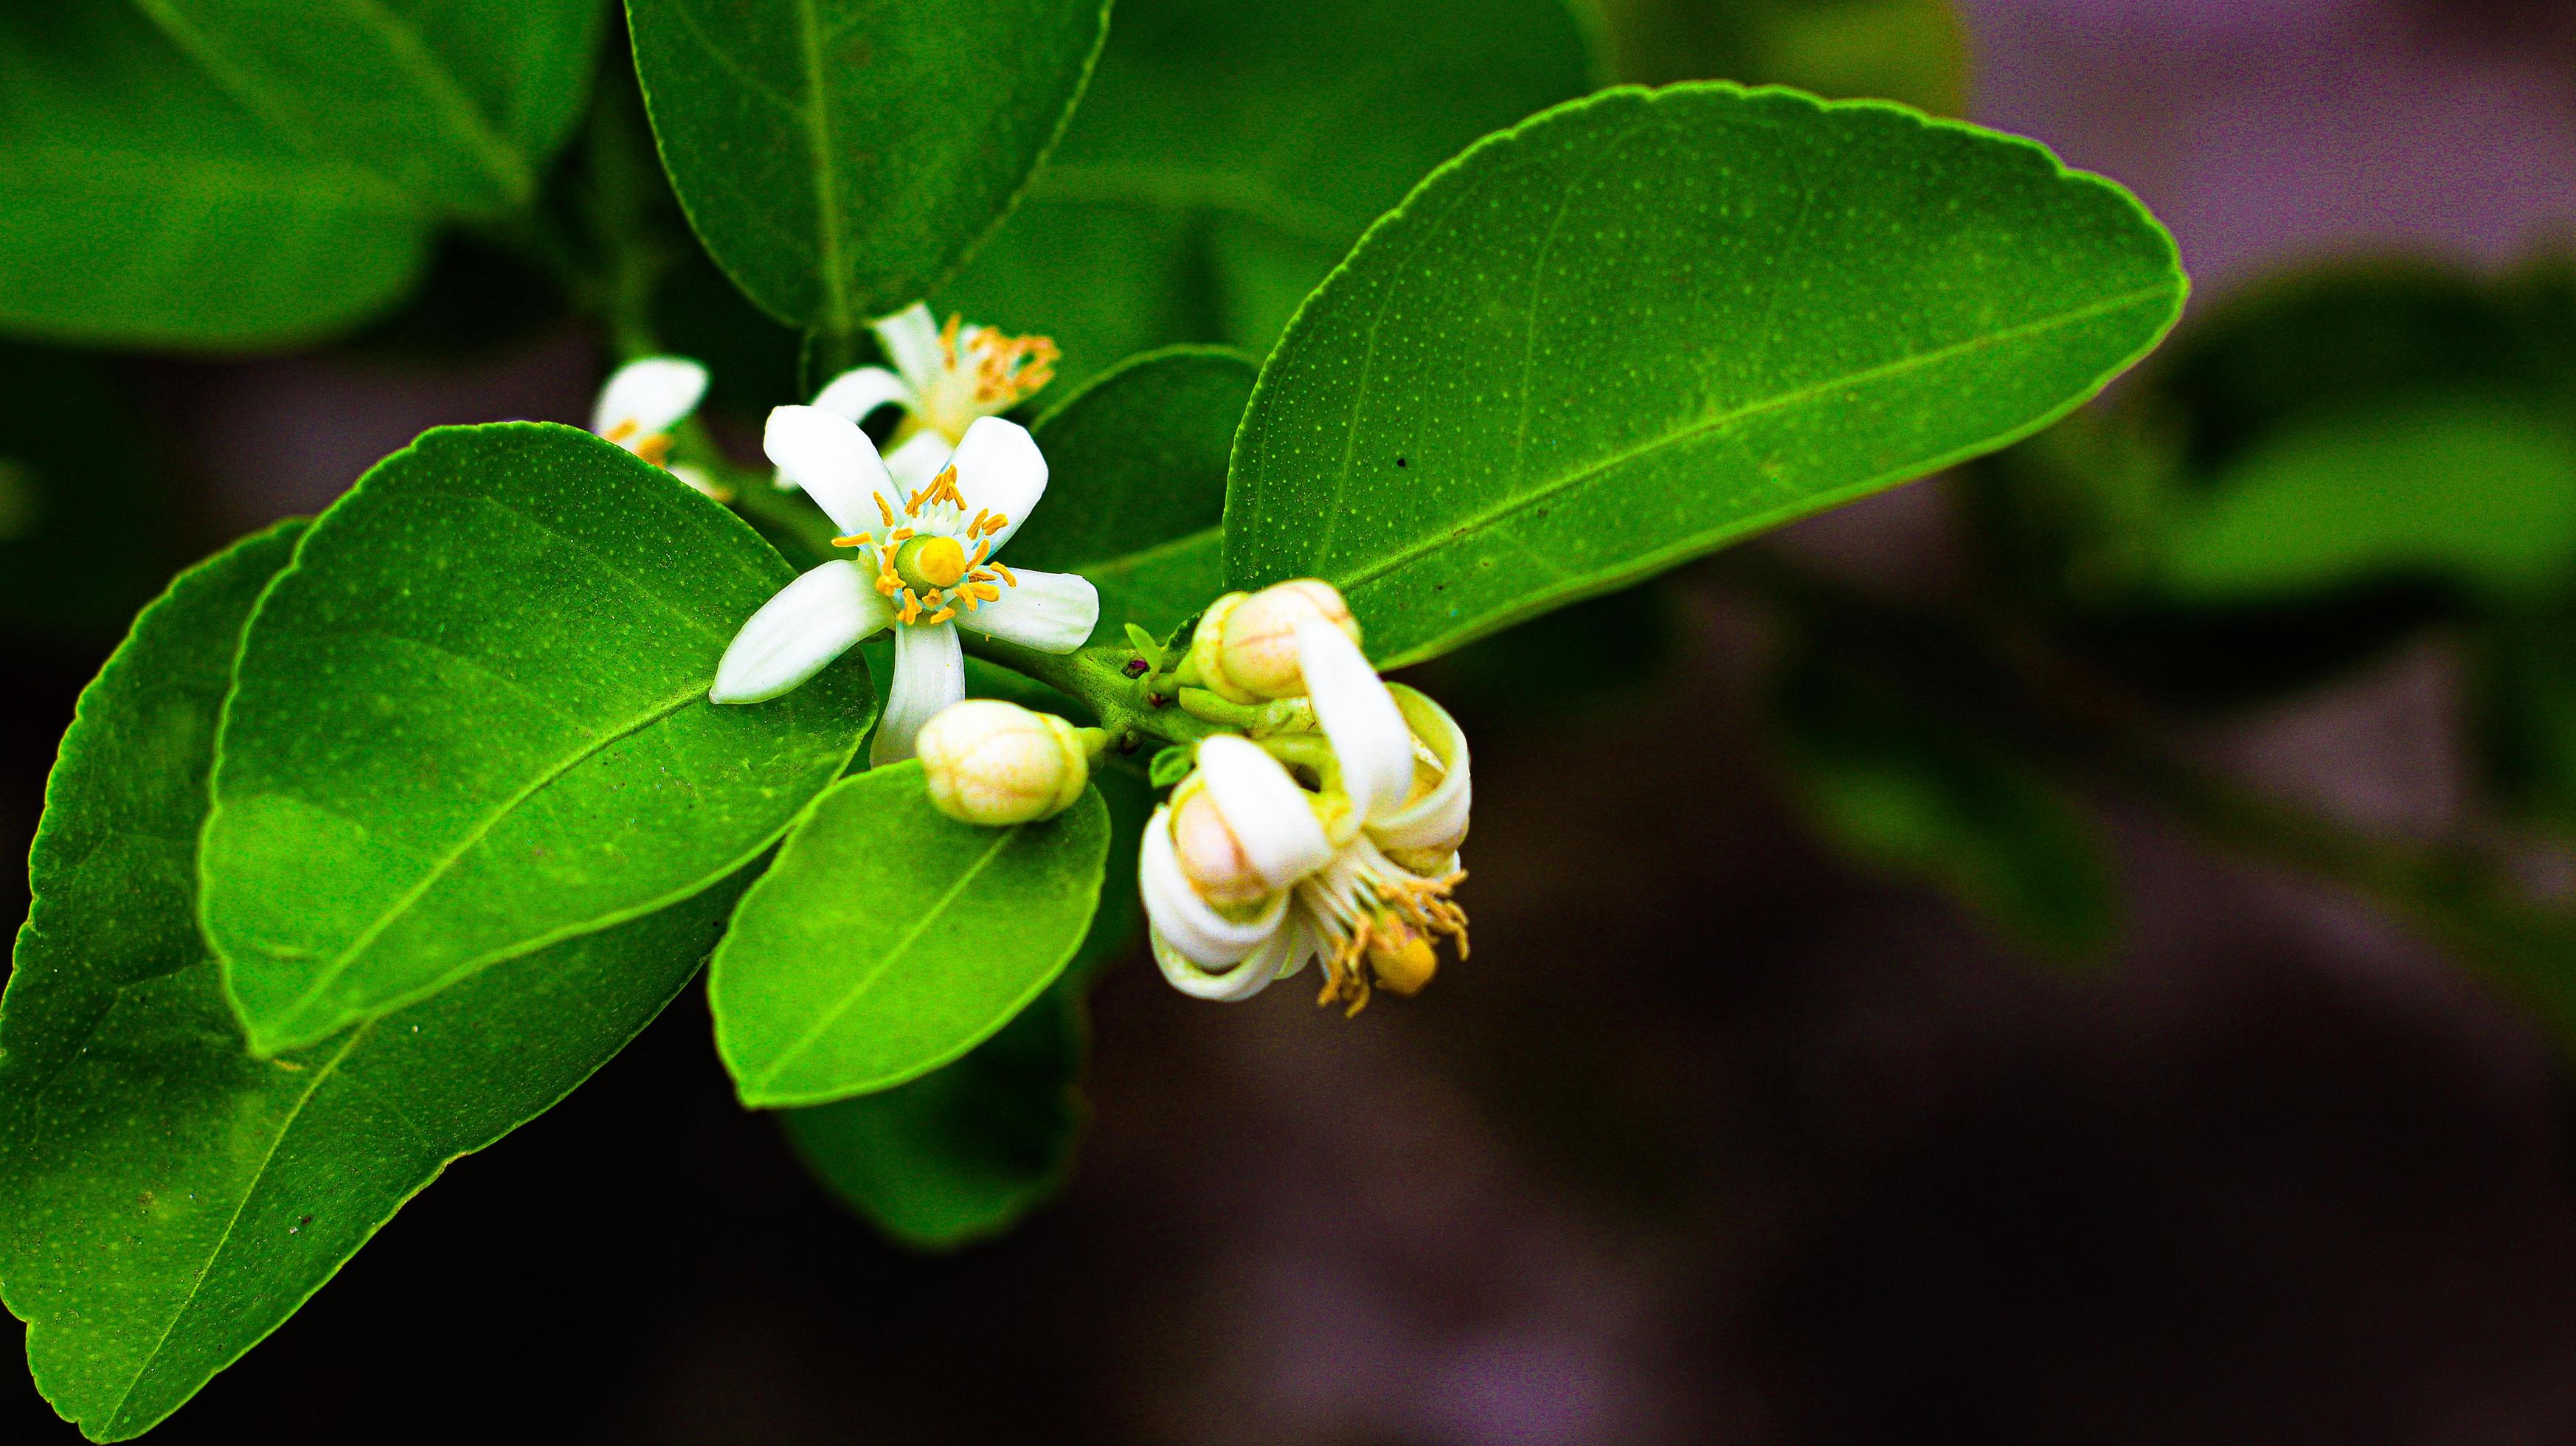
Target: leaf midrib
(285, 1127)
(1001, 839)
(447, 861)
(1487, 517)
(817, 114)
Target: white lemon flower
(1246, 874)
(642, 401)
(945, 378)
(925, 568)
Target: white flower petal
(929, 674)
(911, 341)
(999, 468)
(919, 459)
(1264, 808)
(1439, 816)
(1234, 985)
(1053, 612)
(861, 390)
(827, 455)
(649, 396)
(1369, 737)
(1179, 915)
(809, 623)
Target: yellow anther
(900, 534)
(943, 615)
(624, 429)
(984, 590)
(1006, 573)
(655, 449)
(948, 337)
(855, 540)
(882, 509)
(983, 549)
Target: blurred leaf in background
(148, 207)
(962, 1153)
(87, 531)
(1922, 798)
(1227, 154)
(1913, 51)
(2309, 472)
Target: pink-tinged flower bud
(1257, 645)
(994, 763)
(1211, 857)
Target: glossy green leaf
(1648, 324)
(1136, 463)
(1913, 51)
(1229, 153)
(471, 720)
(1920, 798)
(148, 208)
(889, 939)
(457, 104)
(2481, 491)
(166, 1198)
(962, 1153)
(841, 157)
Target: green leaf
(148, 208)
(1913, 51)
(962, 1153)
(841, 157)
(454, 103)
(166, 1198)
(471, 720)
(1136, 463)
(1921, 798)
(1646, 325)
(889, 939)
(1228, 154)
(2481, 491)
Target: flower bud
(1257, 642)
(994, 763)
(1212, 858)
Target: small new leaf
(889, 939)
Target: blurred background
(1816, 1078)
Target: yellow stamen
(943, 615)
(855, 540)
(655, 449)
(1006, 573)
(882, 509)
(626, 427)
(948, 337)
(984, 590)
(900, 534)
(983, 549)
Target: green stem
(1127, 712)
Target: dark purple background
(1711, 1141)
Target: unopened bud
(1211, 857)
(1400, 957)
(994, 763)
(1257, 645)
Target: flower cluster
(1338, 845)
